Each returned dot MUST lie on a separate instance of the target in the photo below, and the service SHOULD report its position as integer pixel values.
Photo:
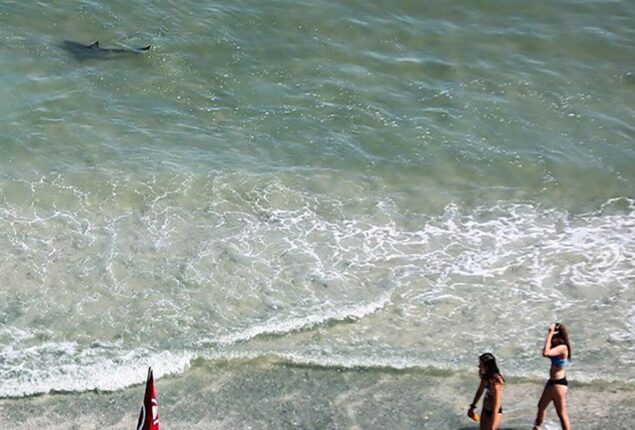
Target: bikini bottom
(553, 382)
(488, 413)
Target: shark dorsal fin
(95, 45)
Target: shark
(95, 52)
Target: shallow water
(350, 187)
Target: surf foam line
(69, 367)
(131, 368)
(274, 327)
(84, 371)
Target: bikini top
(487, 390)
(559, 362)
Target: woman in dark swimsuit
(558, 350)
(492, 385)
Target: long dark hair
(561, 337)
(491, 368)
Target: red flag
(149, 415)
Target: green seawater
(314, 214)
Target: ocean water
(314, 214)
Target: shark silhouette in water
(94, 51)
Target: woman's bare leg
(485, 421)
(497, 420)
(542, 406)
(560, 402)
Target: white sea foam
(293, 324)
(67, 366)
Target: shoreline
(272, 396)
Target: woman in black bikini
(558, 350)
(492, 384)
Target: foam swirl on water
(293, 324)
